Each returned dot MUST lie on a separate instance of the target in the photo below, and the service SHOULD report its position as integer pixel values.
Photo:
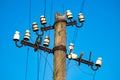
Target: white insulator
(16, 36)
(43, 20)
(46, 41)
(42, 16)
(69, 56)
(72, 56)
(81, 17)
(27, 35)
(99, 61)
(71, 46)
(69, 14)
(35, 26)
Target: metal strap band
(61, 47)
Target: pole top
(59, 16)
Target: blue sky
(100, 35)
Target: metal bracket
(36, 47)
(71, 23)
(52, 27)
(47, 28)
(81, 55)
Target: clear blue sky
(100, 34)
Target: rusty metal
(61, 47)
(52, 27)
(81, 55)
(47, 28)
(90, 56)
(94, 68)
(36, 47)
(87, 62)
(79, 26)
(71, 23)
(19, 46)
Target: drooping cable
(38, 63)
(45, 66)
(41, 55)
(73, 41)
(75, 35)
(38, 66)
(94, 75)
(48, 63)
(76, 65)
(76, 30)
(70, 68)
(26, 70)
(90, 74)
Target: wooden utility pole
(60, 47)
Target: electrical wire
(38, 63)
(51, 10)
(47, 62)
(45, 67)
(73, 41)
(70, 68)
(26, 63)
(29, 22)
(29, 14)
(75, 35)
(76, 30)
(90, 74)
(45, 8)
(38, 66)
(82, 6)
(94, 75)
